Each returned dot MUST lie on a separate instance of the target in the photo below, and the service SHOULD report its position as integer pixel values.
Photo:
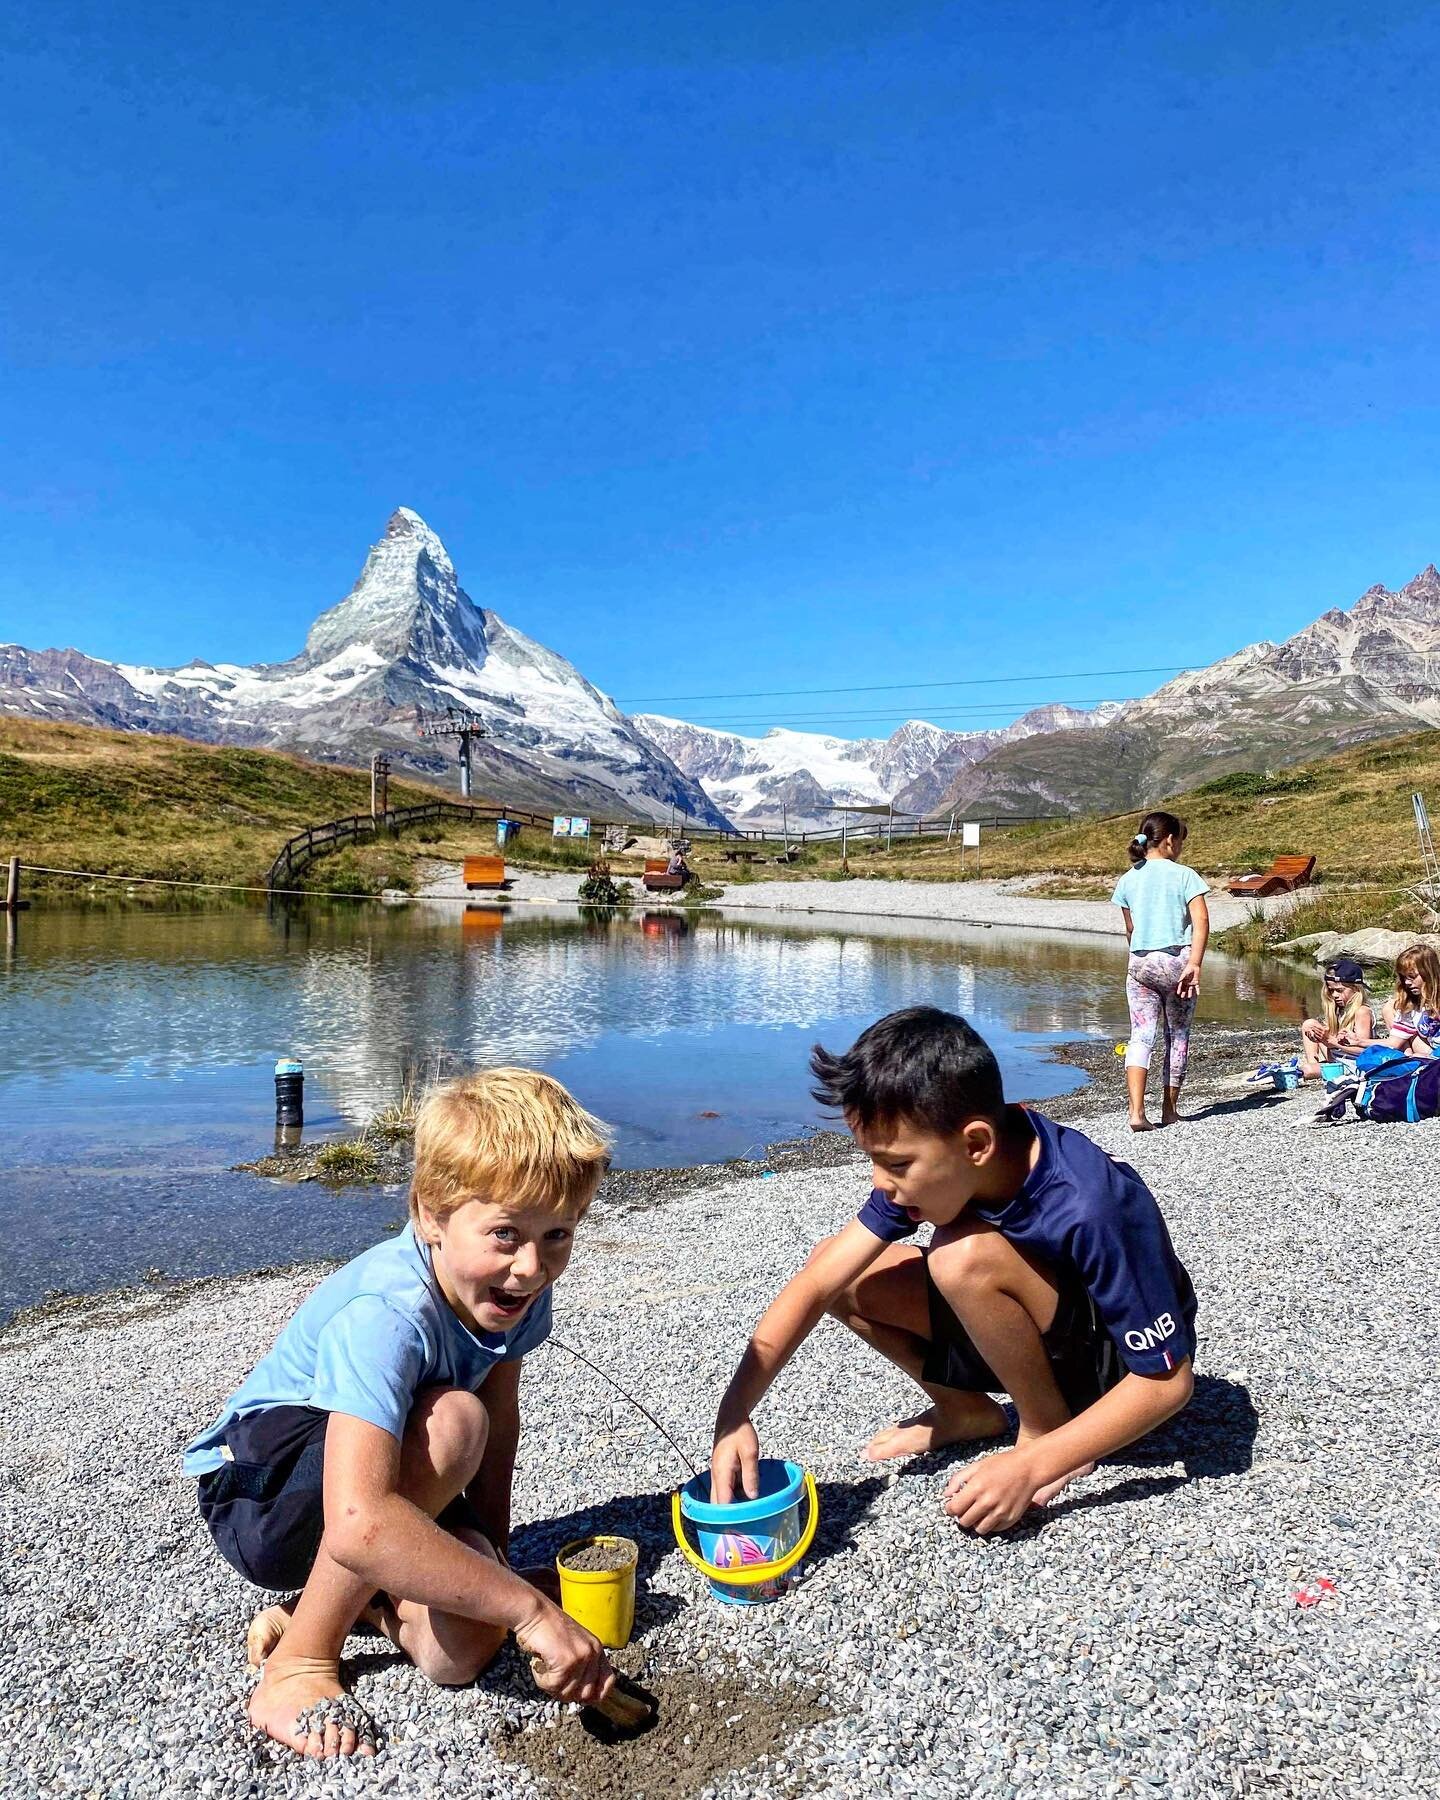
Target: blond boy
(368, 1459)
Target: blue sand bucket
(1285, 1080)
(748, 1548)
(1332, 1072)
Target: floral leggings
(1150, 988)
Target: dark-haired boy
(1050, 1277)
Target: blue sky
(759, 346)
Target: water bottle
(289, 1092)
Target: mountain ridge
(1350, 676)
(406, 636)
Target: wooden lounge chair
(657, 878)
(484, 871)
(1283, 876)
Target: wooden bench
(484, 871)
(657, 878)
(1283, 876)
(745, 856)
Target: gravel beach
(1144, 1639)
(959, 902)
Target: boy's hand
(735, 1458)
(993, 1494)
(567, 1662)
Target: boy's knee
(455, 1427)
(977, 1258)
(462, 1658)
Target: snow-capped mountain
(803, 776)
(1370, 672)
(406, 635)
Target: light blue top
(369, 1337)
(1158, 895)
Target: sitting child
(1349, 1018)
(1050, 1277)
(374, 1447)
(1412, 1014)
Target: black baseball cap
(1346, 969)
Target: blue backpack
(1394, 1086)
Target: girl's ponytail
(1155, 827)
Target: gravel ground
(962, 902)
(1145, 1639)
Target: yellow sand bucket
(602, 1599)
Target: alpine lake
(136, 1064)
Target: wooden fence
(300, 851)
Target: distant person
(1412, 1014)
(1348, 1018)
(1050, 1276)
(677, 864)
(1168, 926)
(368, 1459)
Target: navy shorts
(1083, 1357)
(266, 1509)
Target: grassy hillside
(122, 802)
(77, 797)
(1351, 809)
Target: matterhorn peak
(406, 604)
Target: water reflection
(359, 994)
(135, 1063)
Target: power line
(894, 687)
(721, 721)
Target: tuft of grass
(1326, 909)
(350, 1160)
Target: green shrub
(600, 888)
(1249, 784)
(347, 1161)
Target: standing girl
(1168, 925)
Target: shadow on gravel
(844, 1505)
(643, 1517)
(1243, 1103)
(1213, 1437)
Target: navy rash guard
(1083, 1210)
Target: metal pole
(12, 885)
(464, 765)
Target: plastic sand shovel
(602, 1600)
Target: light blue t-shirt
(1158, 895)
(364, 1343)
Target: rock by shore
(1144, 1638)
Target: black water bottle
(289, 1092)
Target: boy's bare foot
(945, 1422)
(266, 1630)
(268, 1627)
(302, 1703)
(1142, 1124)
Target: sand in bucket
(597, 1586)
